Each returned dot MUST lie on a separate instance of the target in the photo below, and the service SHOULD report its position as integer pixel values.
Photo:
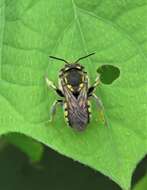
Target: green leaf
(32, 30)
(32, 148)
(142, 184)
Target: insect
(75, 93)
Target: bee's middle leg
(53, 108)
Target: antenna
(58, 59)
(84, 57)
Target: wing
(78, 115)
(82, 98)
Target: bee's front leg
(52, 85)
(100, 107)
(93, 87)
(53, 108)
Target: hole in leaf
(108, 73)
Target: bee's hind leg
(99, 103)
(100, 107)
(53, 109)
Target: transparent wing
(77, 108)
(100, 107)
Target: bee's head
(73, 74)
(73, 66)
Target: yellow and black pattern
(75, 91)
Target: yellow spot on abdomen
(89, 109)
(65, 105)
(81, 85)
(65, 113)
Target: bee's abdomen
(78, 120)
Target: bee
(75, 93)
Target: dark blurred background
(53, 171)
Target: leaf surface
(32, 30)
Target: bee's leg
(52, 85)
(93, 87)
(100, 107)
(53, 108)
